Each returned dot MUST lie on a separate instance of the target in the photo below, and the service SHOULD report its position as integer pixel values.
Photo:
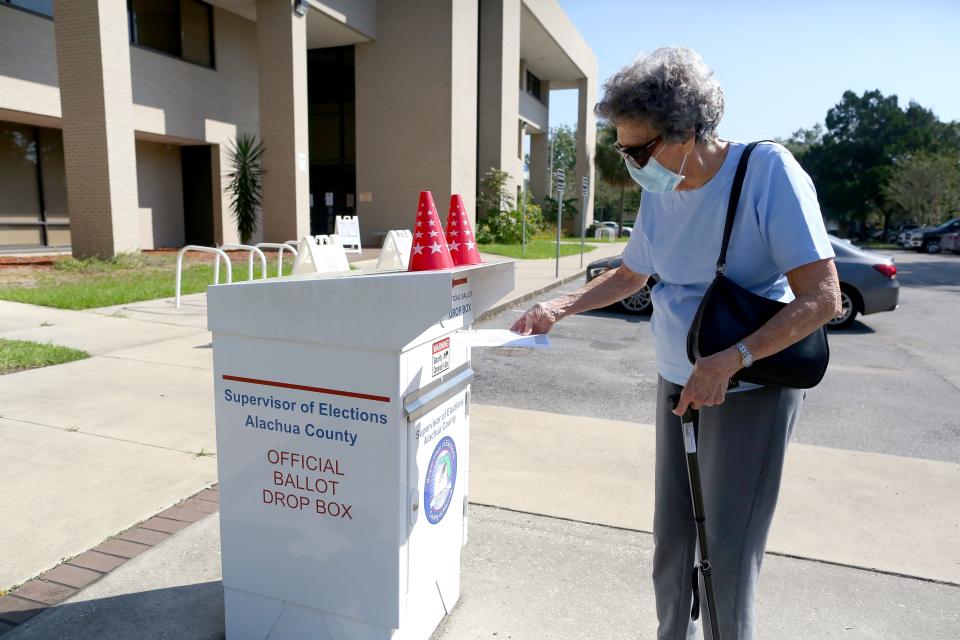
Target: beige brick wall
(28, 63)
(189, 102)
(498, 118)
(160, 193)
(282, 40)
(416, 111)
(93, 58)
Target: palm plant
(610, 165)
(246, 183)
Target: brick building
(116, 115)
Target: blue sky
(782, 64)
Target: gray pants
(741, 448)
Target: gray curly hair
(672, 89)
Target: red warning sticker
(441, 356)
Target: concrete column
(499, 79)
(586, 144)
(416, 111)
(282, 71)
(540, 155)
(93, 61)
(539, 166)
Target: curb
(496, 309)
(70, 576)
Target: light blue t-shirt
(778, 227)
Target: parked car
(639, 303)
(951, 242)
(903, 238)
(868, 284)
(898, 234)
(927, 239)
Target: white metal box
(342, 409)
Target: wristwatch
(746, 358)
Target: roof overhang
(331, 23)
(552, 47)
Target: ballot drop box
(342, 411)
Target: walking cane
(690, 421)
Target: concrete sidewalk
(523, 576)
(107, 442)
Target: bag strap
(732, 204)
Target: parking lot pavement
(893, 385)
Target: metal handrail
(216, 265)
(252, 250)
(280, 249)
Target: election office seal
(441, 479)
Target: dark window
(533, 85)
(43, 7)
(181, 28)
(33, 187)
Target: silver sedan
(868, 284)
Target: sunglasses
(640, 155)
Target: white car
(622, 232)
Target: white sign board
(320, 254)
(395, 253)
(348, 228)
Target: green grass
(17, 355)
(86, 284)
(536, 249)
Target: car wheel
(850, 306)
(931, 246)
(638, 303)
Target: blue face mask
(655, 177)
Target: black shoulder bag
(729, 313)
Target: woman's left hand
(707, 385)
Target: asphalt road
(893, 385)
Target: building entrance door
(333, 173)
(197, 195)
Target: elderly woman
(666, 108)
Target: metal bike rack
(280, 249)
(252, 250)
(216, 265)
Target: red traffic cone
(430, 249)
(463, 247)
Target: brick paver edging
(66, 579)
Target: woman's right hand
(538, 319)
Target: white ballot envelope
(501, 338)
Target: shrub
(506, 227)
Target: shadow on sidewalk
(193, 611)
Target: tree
(925, 188)
(494, 195)
(610, 167)
(851, 162)
(563, 147)
(245, 183)
(802, 140)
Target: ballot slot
(436, 393)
